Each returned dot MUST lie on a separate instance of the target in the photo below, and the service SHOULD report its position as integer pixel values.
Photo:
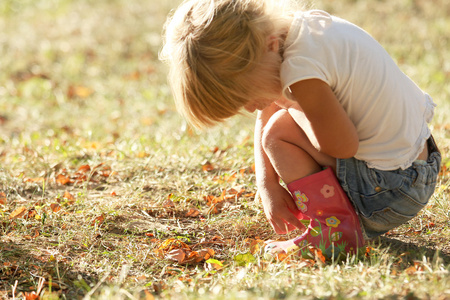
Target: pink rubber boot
(334, 227)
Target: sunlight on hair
(218, 58)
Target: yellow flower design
(333, 222)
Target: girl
(337, 119)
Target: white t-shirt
(390, 112)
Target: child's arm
(331, 127)
(277, 202)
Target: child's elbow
(342, 151)
(348, 150)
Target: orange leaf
(206, 254)
(68, 196)
(136, 75)
(168, 203)
(192, 213)
(317, 254)
(207, 167)
(18, 213)
(37, 179)
(62, 179)
(31, 214)
(99, 220)
(254, 244)
(171, 244)
(55, 207)
(411, 270)
(148, 295)
(177, 255)
(3, 198)
(79, 91)
(84, 168)
(31, 296)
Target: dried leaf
(79, 91)
(34, 180)
(193, 212)
(207, 167)
(178, 255)
(254, 245)
(18, 213)
(214, 264)
(136, 75)
(3, 199)
(318, 255)
(62, 179)
(31, 296)
(55, 207)
(68, 196)
(411, 270)
(168, 203)
(99, 220)
(31, 214)
(148, 295)
(173, 243)
(84, 169)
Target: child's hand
(279, 208)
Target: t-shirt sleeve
(301, 68)
(307, 54)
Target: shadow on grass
(22, 263)
(414, 249)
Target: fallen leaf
(214, 264)
(207, 167)
(318, 254)
(68, 196)
(172, 243)
(244, 259)
(148, 295)
(31, 296)
(18, 213)
(411, 270)
(31, 214)
(79, 91)
(193, 212)
(178, 255)
(84, 169)
(168, 203)
(136, 75)
(99, 220)
(3, 199)
(55, 207)
(62, 179)
(254, 245)
(34, 180)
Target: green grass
(80, 84)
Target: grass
(80, 85)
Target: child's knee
(276, 129)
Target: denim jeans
(386, 199)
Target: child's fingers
(291, 219)
(291, 204)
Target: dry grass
(81, 86)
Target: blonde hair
(217, 50)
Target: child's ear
(273, 44)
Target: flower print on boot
(333, 227)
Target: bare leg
(289, 149)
